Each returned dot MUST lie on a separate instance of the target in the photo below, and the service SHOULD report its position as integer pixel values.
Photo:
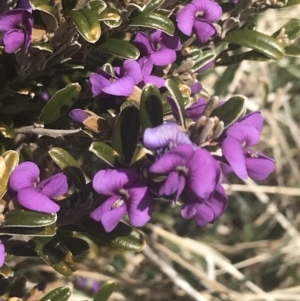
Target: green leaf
(87, 24)
(60, 103)
(151, 109)
(105, 291)
(258, 41)
(49, 14)
(126, 131)
(233, 109)
(62, 293)
(292, 3)
(291, 29)
(105, 152)
(5, 271)
(97, 6)
(55, 254)
(111, 17)
(119, 48)
(207, 57)
(177, 97)
(69, 166)
(293, 51)
(9, 160)
(26, 218)
(30, 231)
(154, 4)
(153, 20)
(77, 246)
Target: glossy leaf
(76, 245)
(151, 109)
(293, 51)
(62, 293)
(5, 271)
(55, 254)
(30, 231)
(97, 6)
(153, 20)
(9, 160)
(87, 24)
(291, 29)
(60, 103)
(111, 17)
(126, 131)
(154, 4)
(105, 291)
(119, 48)
(207, 57)
(69, 165)
(177, 97)
(233, 109)
(105, 152)
(258, 41)
(26, 218)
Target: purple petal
(155, 36)
(31, 199)
(54, 186)
(78, 115)
(24, 175)
(98, 213)
(218, 201)
(98, 82)
(140, 206)
(146, 65)
(176, 157)
(175, 182)
(185, 19)
(196, 110)
(133, 69)
(164, 135)
(171, 42)
(246, 135)
(121, 87)
(195, 88)
(204, 214)
(254, 119)
(212, 11)
(203, 173)
(188, 210)
(111, 218)
(151, 79)
(258, 165)
(2, 254)
(208, 66)
(142, 42)
(11, 20)
(25, 4)
(233, 152)
(13, 40)
(204, 30)
(163, 56)
(109, 182)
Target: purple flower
(78, 115)
(147, 67)
(121, 84)
(37, 196)
(165, 136)
(16, 26)
(245, 162)
(2, 253)
(158, 46)
(127, 193)
(198, 17)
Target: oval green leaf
(105, 291)
(62, 293)
(111, 17)
(257, 41)
(26, 218)
(126, 131)
(30, 231)
(9, 160)
(293, 51)
(77, 246)
(151, 108)
(153, 20)
(292, 3)
(69, 165)
(177, 97)
(105, 152)
(154, 4)
(119, 48)
(60, 103)
(207, 57)
(55, 254)
(233, 109)
(87, 24)
(97, 6)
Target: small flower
(78, 115)
(2, 253)
(245, 162)
(33, 195)
(127, 193)
(147, 67)
(16, 26)
(121, 84)
(198, 16)
(158, 46)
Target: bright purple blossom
(33, 195)
(16, 26)
(127, 193)
(158, 46)
(78, 115)
(147, 67)
(197, 17)
(120, 84)
(245, 162)
(2, 253)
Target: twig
(173, 275)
